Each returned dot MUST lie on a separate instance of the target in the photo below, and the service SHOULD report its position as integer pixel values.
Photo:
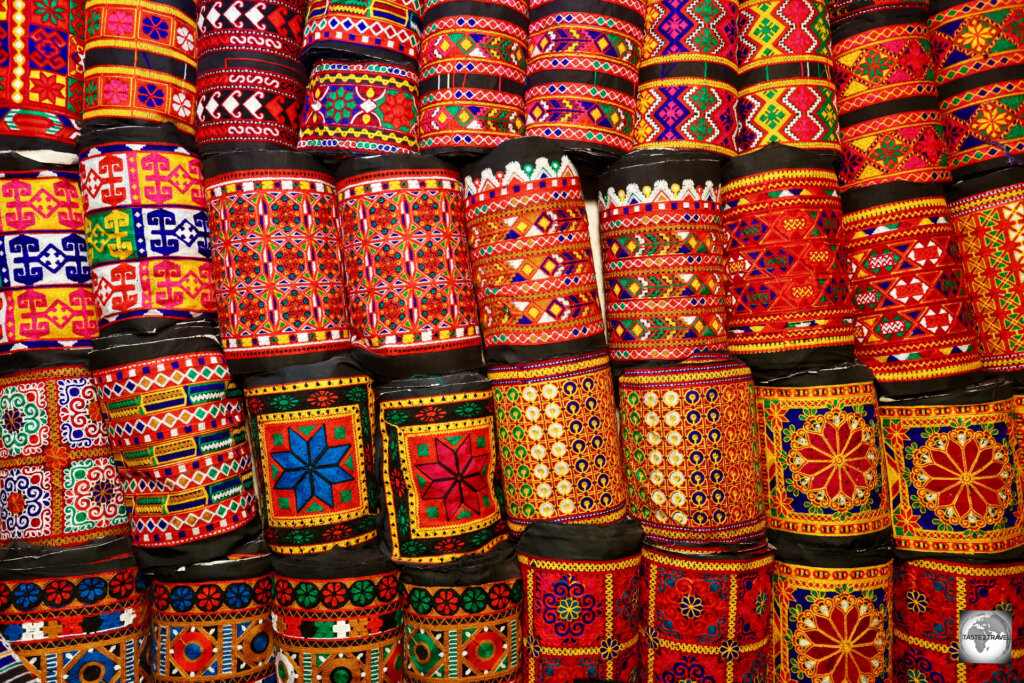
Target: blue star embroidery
(311, 467)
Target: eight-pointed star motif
(457, 477)
(311, 468)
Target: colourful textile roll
(532, 261)
(987, 212)
(361, 29)
(786, 93)
(80, 615)
(45, 297)
(706, 618)
(250, 82)
(472, 75)
(936, 600)
(889, 122)
(359, 108)
(58, 485)
(337, 617)
(790, 296)
(277, 259)
(406, 252)
(954, 473)
(146, 228)
(687, 93)
(462, 621)
(311, 431)
(559, 451)
(978, 53)
(826, 472)
(211, 622)
(140, 62)
(41, 71)
(832, 623)
(176, 424)
(582, 73)
(663, 249)
(692, 457)
(914, 323)
(439, 468)
(12, 669)
(583, 594)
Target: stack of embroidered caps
(688, 430)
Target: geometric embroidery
(906, 146)
(214, 631)
(693, 467)
(953, 475)
(464, 632)
(146, 229)
(929, 595)
(89, 624)
(799, 112)
(826, 477)
(664, 257)
(343, 625)
(558, 449)
(439, 475)
(58, 485)
(41, 75)
(532, 262)
(45, 298)
(407, 261)
(706, 618)
(832, 624)
(785, 265)
(315, 460)
(277, 212)
(773, 32)
(355, 28)
(989, 217)
(913, 317)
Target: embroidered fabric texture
(339, 618)
(462, 623)
(988, 214)
(705, 618)
(472, 75)
(663, 249)
(58, 485)
(826, 471)
(790, 296)
(439, 468)
(558, 448)
(407, 257)
(176, 425)
(932, 592)
(212, 623)
(692, 461)
(140, 62)
(146, 230)
(953, 473)
(687, 89)
(832, 623)
(914, 323)
(355, 109)
(530, 248)
(582, 73)
(277, 259)
(313, 443)
(77, 617)
(250, 82)
(45, 296)
(890, 127)
(582, 605)
(41, 69)
(786, 92)
(378, 29)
